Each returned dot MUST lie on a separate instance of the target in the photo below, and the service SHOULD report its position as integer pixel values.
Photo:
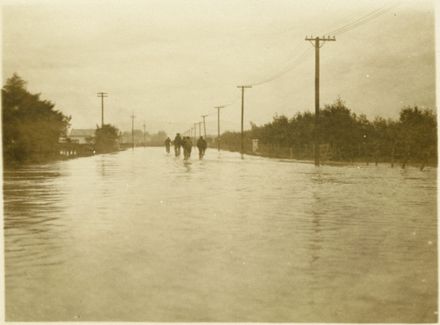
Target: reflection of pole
(204, 125)
(102, 95)
(317, 47)
(132, 131)
(218, 126)
(242, 117)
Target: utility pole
(132, 130)
(144, 134)
(316, 44)
(195, 134)
(204, 125)
(200, 129)
(102, 95)
(218, 125)
(242, 117)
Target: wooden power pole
(204, 125)
(195, 134)
(218, 108)
(242, 117)
(317, 42)
(102, 95)
(132, 130)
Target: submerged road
(142, 236)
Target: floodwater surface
(142, 236)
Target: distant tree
(303, 128)
(339, 128)
(157, 139)
(280, 131)
(418, 133)
(106, 138)
(364, 135)
(384, 139)
(349, 137)
(230, 140)
(31, 126)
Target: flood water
(141, 236)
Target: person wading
(201, 145)
(177, 144)
(187, 148)
(168, 144)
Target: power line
(297, 60)
(363, 20)
(291, 64)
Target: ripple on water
(223, 239)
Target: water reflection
(103, 166)
(316, 240)
(187, 166)
(144, 236)
(33, 237)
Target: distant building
(82, 136)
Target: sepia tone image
(219, 161)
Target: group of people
(186, 144)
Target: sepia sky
(170, 61)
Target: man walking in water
(187, 148)
(168, 144)
(177, 144)
(201, 144)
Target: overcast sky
(171, 61)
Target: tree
(158, 139)
(349, 136)
(106, 138)
(418, 133)
(31, 126)
(340, 129)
